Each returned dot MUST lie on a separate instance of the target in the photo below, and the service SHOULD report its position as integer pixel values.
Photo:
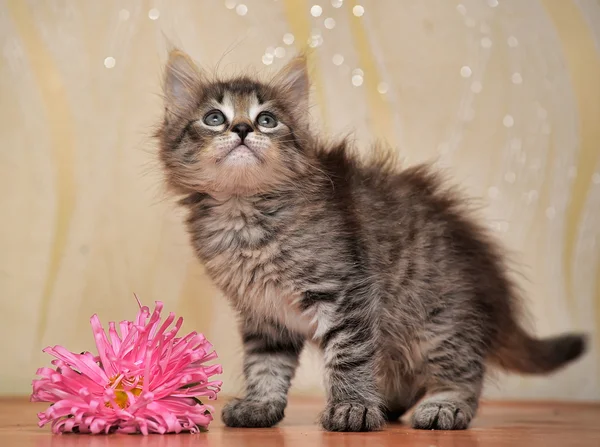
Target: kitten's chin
(243, 177)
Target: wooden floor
(498, 424)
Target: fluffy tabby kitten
(382, 268)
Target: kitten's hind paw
(252, 414)
(441, 415)
(352, 417)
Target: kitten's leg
(353, 401)
(270, 361)
(456, 377)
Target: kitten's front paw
(249, 413)
(442, 415)
(352, 417)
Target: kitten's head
(234, 137)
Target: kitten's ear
(182, 81)
(294, 82)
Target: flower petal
(155, 375)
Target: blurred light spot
(382, 87)
(516, 78)
(316, 11)
(337, 59)
(493, 192)
(267, 59)
(466, 71)
(461, 9)
(358, 11)
(315, 39)
(329, 23)
(510, 177)
(109, 62)
(512, 42)
(288, 38)
(230, 4)
(124, 15)
(241, 9)
(486, 42)
(550, 212)
(280, 52)
(508, 121)
(532, 196)
(467, 114)
(476, 87)
(154, 14)
(337, 3)
(357, 80)
(492, 3)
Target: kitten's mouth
(241, 153)
(240, 148)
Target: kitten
(382, 268)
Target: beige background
(504, 94)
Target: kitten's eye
(214, 118)
(266, 120)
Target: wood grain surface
(527, 424)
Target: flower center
(124, 385)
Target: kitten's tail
(520, 352)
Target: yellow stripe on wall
(583, 63)
(381, 124)
(297, 15)
(58, 117)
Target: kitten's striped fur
(381, 267)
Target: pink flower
(145, 380)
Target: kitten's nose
(242, 129)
